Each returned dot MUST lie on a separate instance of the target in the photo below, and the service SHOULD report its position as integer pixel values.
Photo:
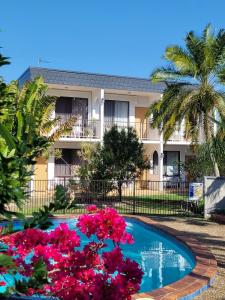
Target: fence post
(134, 198)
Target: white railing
(178, 137)
(83, 128)
(143, 129)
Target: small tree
(201, 165)
(120, 158)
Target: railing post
(134, 198)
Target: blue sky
(124, 37)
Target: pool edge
(188, 287)
(191, 285)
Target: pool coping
(191, 285)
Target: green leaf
(19, 125)
(5, 133)
(7, 261)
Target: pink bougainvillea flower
(83, 273)
(91, 208)
(2, 283)
(105, 224)
(25, 241)
(64, 238)
(112, 259)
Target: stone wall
(214, 194)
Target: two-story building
(99, 101)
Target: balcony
(88, 129)
(143, 129)
(178, 136)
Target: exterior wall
(214, 191)
(40, 171)
(150, 174)
(138, 104)
(40, 176)
(140, 113)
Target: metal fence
(137, 197)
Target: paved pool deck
(213, 236)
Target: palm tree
(194, 79)
(3, 60)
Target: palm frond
(63, 129)
(49, 126)
(4, 60)
(181, 60)
(170, 74)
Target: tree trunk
(209, 133)
(120, 190)
(215, 165)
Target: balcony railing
(143, 129)
(91, 129)
(178, 137)
(83, 128)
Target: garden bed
(218, 218)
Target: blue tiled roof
(91, 80)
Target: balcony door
(116, 112)
(67, 106)
(171, 163)
(80, 108)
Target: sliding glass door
(171, 163)
(72, 106)
(116, 112)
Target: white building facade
(101, 101)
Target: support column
(102, 100)
(161, 162)
(51, 169)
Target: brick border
(191, 285)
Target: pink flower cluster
(74, 273)
(105, 224)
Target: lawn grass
(165, 204)
(144, 202)
(167, 196)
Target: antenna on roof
(42, 61)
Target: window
(64, 105)
(155, 162)
(75, 106)
(171, 161)
(116, 112)
(64, 166)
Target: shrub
(59, 268)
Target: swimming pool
(162, 258)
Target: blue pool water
(162, 258)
